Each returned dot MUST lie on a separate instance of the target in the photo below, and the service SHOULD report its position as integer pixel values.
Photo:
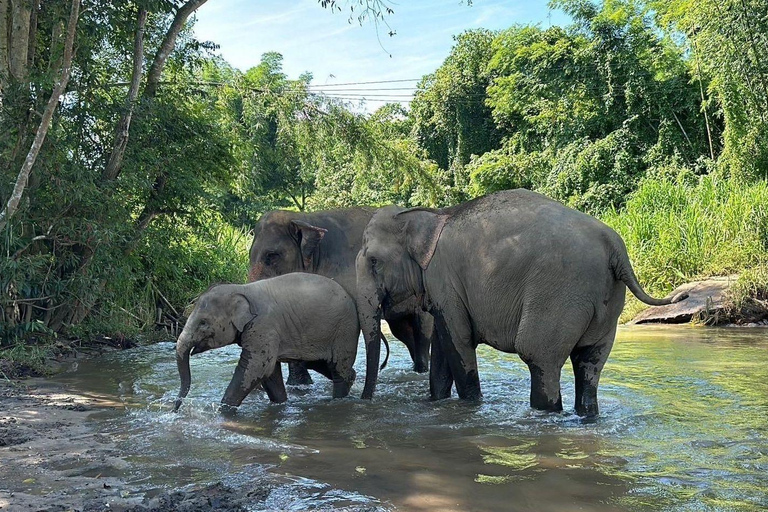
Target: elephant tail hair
(386, 358)
(622, 269)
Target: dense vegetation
(160, 156)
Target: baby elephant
(293, 317)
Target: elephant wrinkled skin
(514, 270)
(296, 317)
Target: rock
(703, 296)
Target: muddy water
(683, 426)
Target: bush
(675, 232)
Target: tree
(451, 119)
(728, 47)
(45, 123)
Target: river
(683, 427)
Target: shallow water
(683, 427)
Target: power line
(366, 83)
(375, 89)
(372, 95)
(380, 100)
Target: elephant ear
(243, 312)
(308, 238)
(422, 232)
(255, 233)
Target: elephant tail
(386, 358)
(622, 269)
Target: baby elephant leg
(343, 376)
(243, 381)
(275, 387)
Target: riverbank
(55, 459)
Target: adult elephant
(326, 243)
(515, 270)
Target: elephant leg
(343, 378)
(440, 378)
(545, 387)
(588, 362)
(454, 335)
(320, 367)
(408, 330)
(242, 381)
(298, 374)
(274, 386)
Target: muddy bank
(53, 459)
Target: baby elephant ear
(309, 238)
(422, 232)
(243, 312)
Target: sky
(335, 51)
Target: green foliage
(652, 115)
(727, 46)
(579, 113)
(451, 120)
(676, 231)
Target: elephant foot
(587, 411)
(468, 386)
(298, 375)
(341, 389)
(420, 366)
(545, 388)
(588, 420)
(472, 395)
(227, 410)
(543, 404)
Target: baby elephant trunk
(183, 350)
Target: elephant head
(218, 320)
(282, 245)
(398, 246)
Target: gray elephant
(326, 243)
(296, 317)
(514, 270)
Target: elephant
(514, 270)
(326, 243)
(295, 317)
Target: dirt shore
(53, 459)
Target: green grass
(677, 231)
(21, 360)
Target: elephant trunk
(368, 310)
(183, 350)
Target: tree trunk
(151, 210)
(21, 12)
(32, 34)
(4, 45)
(45, 123)
(112, 170)
(167, 46)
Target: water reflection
(682, 427)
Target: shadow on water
(682, 427)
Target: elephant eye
(374, 261)
(271, 258)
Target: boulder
(703, 296)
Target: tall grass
(677, 231)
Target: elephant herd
(514, 270)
